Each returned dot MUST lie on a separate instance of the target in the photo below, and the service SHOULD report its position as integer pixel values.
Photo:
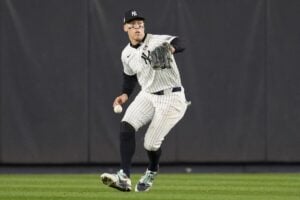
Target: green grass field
(166, 186)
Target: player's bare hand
(120, 100)
(172, 49)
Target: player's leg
(169, 110)
(127, 146)
(154, 157)
(139, 113)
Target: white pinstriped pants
(162, 111)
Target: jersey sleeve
(166, 38)
(126, 68)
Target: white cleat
(119, 181)
(146, 181)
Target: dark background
(60, 70)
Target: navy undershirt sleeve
(178, 45)
(129, 83)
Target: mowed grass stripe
(167, 186)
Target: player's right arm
(129, 83)
(129, 79)
(119, 100)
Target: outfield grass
(166, 187)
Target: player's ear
(125, 28)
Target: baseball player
(147, 59)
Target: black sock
(153, 159)
(127, 146)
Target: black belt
(174, 89)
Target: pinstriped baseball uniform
(162, 111)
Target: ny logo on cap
(134, 13)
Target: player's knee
(126, 131)
(151, 146)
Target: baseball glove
(161, 57)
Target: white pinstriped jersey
(136, 61)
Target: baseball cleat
(146, 181)
(118, 181)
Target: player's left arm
(177, 45)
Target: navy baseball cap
(132, 15)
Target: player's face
(135, 30)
